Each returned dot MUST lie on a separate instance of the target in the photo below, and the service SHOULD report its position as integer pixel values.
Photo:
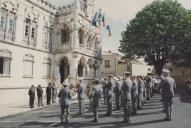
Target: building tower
(77, 44)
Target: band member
(65, 96)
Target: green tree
(184, 54)
(156, 33)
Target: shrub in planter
(188, 86)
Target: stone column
(73, 70)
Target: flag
(109, 30)
(103, 20)
(94, 21)
(100, 17)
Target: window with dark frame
(107, 64)
(1, 65)
(5, 62)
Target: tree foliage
(157, 33)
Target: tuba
(89, 90)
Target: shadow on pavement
(149, 113)
(146, 108)
(104, 125)
(35, 123)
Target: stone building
(40, 43)
(78, 51)
(113, 63)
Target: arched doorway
(64, 69)
(81, 66)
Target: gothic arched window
(65, 34)
(81, 33)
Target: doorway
(64, 69)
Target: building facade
(40, 43)
(139, 68)
(78, 51)
(114, 64)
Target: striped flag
(94, 21)
(103, 20)
(100, 17)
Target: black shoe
(167, 119)
(94, 120)
(107, 114)
(80, 113)
(126, 121)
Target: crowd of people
(126, 92)
(51, 95)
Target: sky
(118, 14)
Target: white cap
(115, 78)
(127, 72)
(165, 71)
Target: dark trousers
(109, 105)
(134, 105)
(140, 100)
(81, 106)
(117, 101)
(168, 107)
(31, 102)
(40, 101)
(48, 99)
(127, 111)
(104, 97)
(95, 112)
(148, 93)
(66, 115)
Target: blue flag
(94, 21)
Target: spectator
(31, 96)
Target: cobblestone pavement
(150, 117)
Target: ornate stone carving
(66, 10)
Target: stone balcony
(63, 48)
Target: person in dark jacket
(96, 96)
(168, 85)
(117, 91)
(126, 96)
(48, 93)
(31, 96)
(141, 88)
(39, 95)
(81, 95)
(65, 97)
(54, 93)
(109, 87)
(134, 94)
